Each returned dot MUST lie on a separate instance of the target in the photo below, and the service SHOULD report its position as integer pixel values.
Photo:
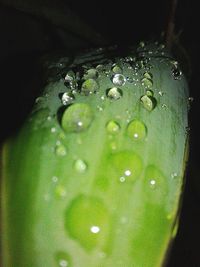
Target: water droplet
(77, 118)
(80, 166)
(142, 44)
(117, 69)
(118, 79)
(54, 179)
(114, 93)
(136, 130)
(90, 74)
(149, 93)
(112, 127)
(148, 75)
(53, 129)
(126, 165)
(148, 102)
(160, 93)
(67, 98)
(174, 175)
(60, 191)
(70, 76)
(89, 87)
(60, 150)
(39, 99)
(87, 221)
(147, 82)
(177, 73)
(156, 188)
(63, 259)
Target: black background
(24, 38)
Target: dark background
(25, 35)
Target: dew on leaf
(80, 166)
(126, 164)
(114, 93)
(87, 220)
(112, 127)
(136, 130)
(62, 259)
(89, 87)
(67, 98)
(118, 80)
(148, 102)
(77, 118)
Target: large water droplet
(118, 80)
(77, 118)
(86, 220)
(126, 165)
(112, 127)
(148, 102)
(63, 259)
(80, 166)
(114, 93)
(155, 185)
(136, 130)
(89, 87)
(67, 98)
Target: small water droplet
(177, 73)
(114, 93)
(87, 221)
(70, 76)
(136, 130)
(39, 99)
(63, 259)
(60, 191)
(53, 129)
(149, 93)
(142, 44)
(148, 102)
(77, 118)
(60, 150)
(89, 87)
(174, 175)
(160, 93)
(148, 83)
(117, 69)
(67, 98)
(118, 79)
(112, 127)
(155, 183)
(148, 75)
(90, 74)
(126, 165)
(80, 166)
(54, 179)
